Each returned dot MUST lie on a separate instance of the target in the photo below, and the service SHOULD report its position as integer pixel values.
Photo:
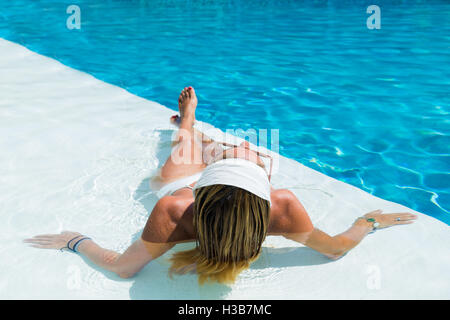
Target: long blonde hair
(231, 225)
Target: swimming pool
(368, 107)
(78, 154)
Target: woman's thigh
(188, 157)
(185, 159)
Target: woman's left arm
(298, 227)
(336, 246)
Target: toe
(174, 119)
(192, 92)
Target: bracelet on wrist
(74, 247)
(78, 243)
(68, 243)
(373, 222)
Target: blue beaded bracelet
(78, 242)
(68, 244)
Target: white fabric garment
(237, 172)
(176, 185)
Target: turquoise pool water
(368, 107)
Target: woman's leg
(187, 150)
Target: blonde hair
(231, 225)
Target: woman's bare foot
(187, 103)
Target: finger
(31, 240)
(45, 235)
(41, 246)
(403, 216)
(399, 220)
(407, 217)
(403, 222)
(36, 241)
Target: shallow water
(368, 107)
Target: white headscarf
(239, 173)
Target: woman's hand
(390, 219)
(53, 241)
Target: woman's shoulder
(169, 221)
(287, 214)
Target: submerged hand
(53, 241)
(391, 219)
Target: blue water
(368, 107)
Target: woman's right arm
(124, 264)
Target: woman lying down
(225, 203)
